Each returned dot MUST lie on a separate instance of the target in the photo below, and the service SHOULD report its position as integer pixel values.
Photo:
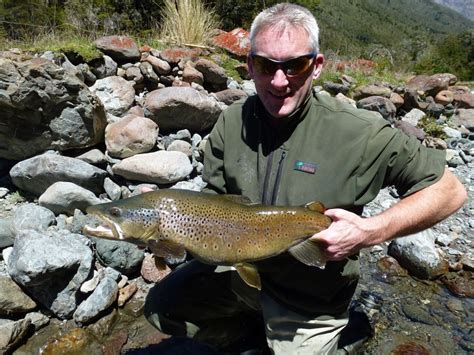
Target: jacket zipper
(267, 198)
(276, 187)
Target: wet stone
(417, 313)
(460, 284)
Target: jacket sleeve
(392, 158)
(213, 172)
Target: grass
(188, 22)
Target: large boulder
(176, 108)
(431, 85)
(38, 173)
(43, 106)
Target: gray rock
(42, 107)
(12, 333)
(229, 96)
(196, 184)
(112, 189)
(213, 73)
(148, 72)
(414, 116)
(379, 104)
(32, 216)
(464, 117)
(180, 146)
(12, 299)
(122, 256)
(37, 319)
(116, 93)
(134, 74)
(418, 254)
(38, 173)
(451, 132)
(248, 86)
(66, 197)
(101, 299)
(103, 67)
(51, 268)
(160, 167)
(94, 157)
(176, 108)
(6, 234)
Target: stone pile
(74, 134)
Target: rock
(236, 42)
(37, 319)
(32, 216)
(66, 197)
(414, 116)
(464, 117)
(116, 93)
(444, 97)
(90, 285)
(461, 284)
(192, 75)
(175, 55)
(410, 130)
(12, 333)
(44, 107)
(390, 267)
(465, 100)
(180, 107)
(51, 267)
(417, 253)
(433, 84)
(149, 73)
(130, 136)
(418, 313)
(248, 86)
(160, 66)
(347, 100)
(180, 146)
(396, 99)
(213, 73)
(100, 300)
(12, 298)
(103, 67)
(38, 173)
(336, 88)
(120, 48)
(452, 133)
(196, 184)
(379, 104)
(112, 189)
(74, 341)
(134, 74)
(154, 269)
(122, 256)
(371, 90)
(161, 167)
(126, 293)
(6, 234)
(94, 157)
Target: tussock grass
(188, 22)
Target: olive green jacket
(328, 151)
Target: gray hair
(280, 16)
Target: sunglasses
(291, 67)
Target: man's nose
(279, 79)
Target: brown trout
(215, 229)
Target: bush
(188, 22)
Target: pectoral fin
(172, 253)
(309, 253)
(315, 206)
(249, 274)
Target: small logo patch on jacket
(309, 168)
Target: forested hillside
(464, 7)
(406, 33)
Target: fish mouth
(108, 230)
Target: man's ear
(250, 66)
(319, 60)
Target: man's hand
(347, 234)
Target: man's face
(281, 93)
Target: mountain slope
(403, 27)
(464, 7)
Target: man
(286, 146)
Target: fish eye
(115, 211)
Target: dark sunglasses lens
(263, 65)
(298, 65)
